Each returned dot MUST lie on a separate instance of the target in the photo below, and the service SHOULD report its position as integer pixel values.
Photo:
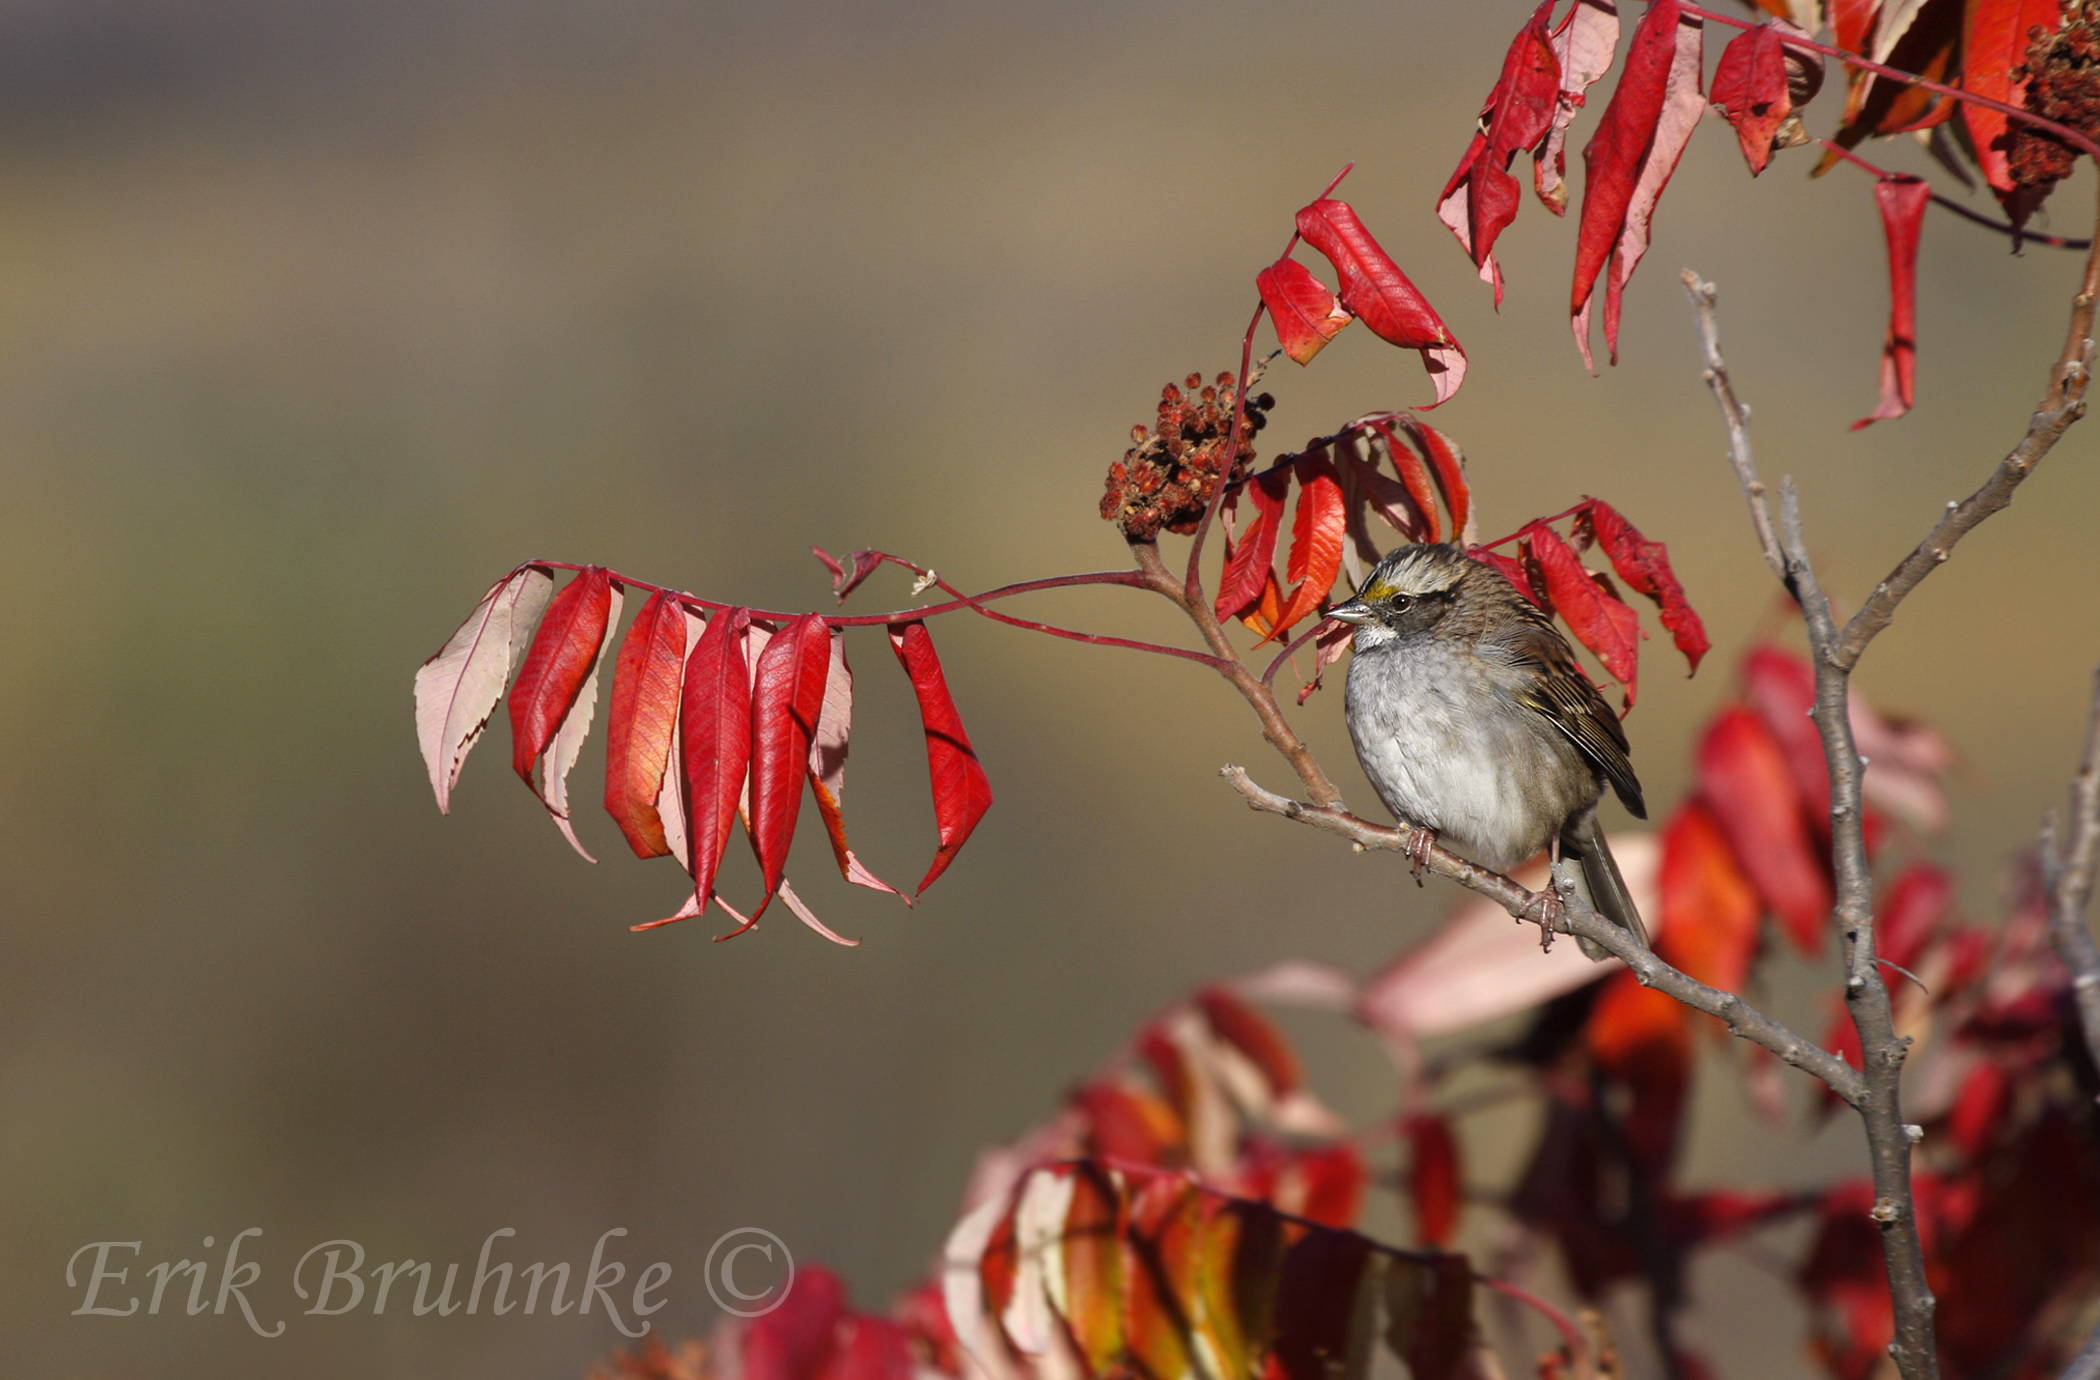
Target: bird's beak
(1355, 611)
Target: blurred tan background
(316, 318)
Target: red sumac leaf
(1581, 604)
(1374, 288)
(1253, 560)
(1902, 201)
(1910, 911)
(1744, 780)
(1434, 1183)
(1318, 531)
(457, 689)
(1447, 463)
(795, 1341)
(1710, 909)
(1316, 1302)
(1750, 89)
(1994, 41)
(1481, 198)
(562, 655)
(1583, 46)
(714, 725)
(1781, 687)
(1642, 1039)
(1305, 310)
(1414, 476)
(870, 1349)
(1254, 1036)
(1625, 622)
(1645, 565)
(827, 766)
(787, 697)
(961, 791)
(1630, 158)
(641, 722)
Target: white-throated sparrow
(1472, 718)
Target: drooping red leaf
(1434, 1183)
(1750, 89)
(1629, 161)
(714, 729)
(1645, 565)
(1128, 1125)
(1994, 41)
(961, 791)
(1910, 911)
(787, 697)
(1710, 907)
(1581, 604)
(1448, 464)
(1325, 1185)
(1641, 1038)
(1252, 561)
(1902, 201)
(1318, 531)
(1414, 475)
(1583, 46)
(1512, 570)
(639, 728)
(457, 689)
(563, 655)
(1255, 1037)
(1481, 198)
(1093, 1267)
(575, 727)
(1305, 310)
(827, 766)
(1781, 687)
(1744, 780)
(1374, 288)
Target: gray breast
(1446, 745)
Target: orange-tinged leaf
(641, 722)
(961, 790)
(1710, 908)
(1305, 310)
(1641, 1038)
(1161, 1299)
(1994, 41)
(1263, 617)
(1318, 531)
(1434, 1185)
(1744, 780)
(1129, 1125)
(1093, 1267)
(1374, 288)
(1236, 1269)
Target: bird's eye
(1401, 602)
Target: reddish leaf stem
(1268, 677)
(1570, 1335)
(2026, 117)
(1192, 581)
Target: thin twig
(1737, 419)
(1576, 918)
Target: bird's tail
(1583, 841)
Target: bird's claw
(1544, 909)
(1417, 850)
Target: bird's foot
(1544, 909)
(1417, 850)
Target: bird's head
(1407, 593)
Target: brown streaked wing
(1557, 689)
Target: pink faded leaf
(457, 689)
(827, 766)
(1902, 201)
(1478, 967)
(808, 917)
(1683, 104)
(1583, 47)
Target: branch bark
(2069, 861)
